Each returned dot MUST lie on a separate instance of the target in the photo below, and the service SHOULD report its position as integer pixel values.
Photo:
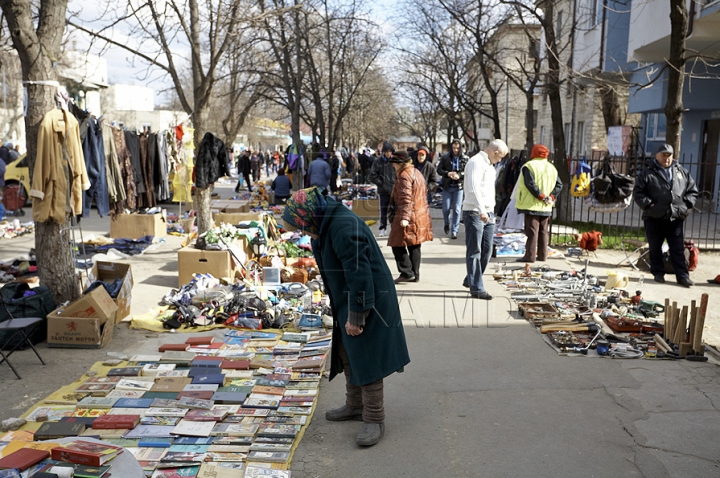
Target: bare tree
(36, 29)
(163, 30)
(676, 72)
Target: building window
(559, 24)
(656, 127)
(534, 119)
(568, 133)
(146, 127)
(580, 141)
(596, 11)
(542, 134)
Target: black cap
(665, 148)
(400, 157)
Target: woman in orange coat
(411, 225)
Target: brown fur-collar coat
(409, 194)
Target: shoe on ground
(659, 278)
(482, 296)
(447, 228)
(370, 434)
(454, 236)
(382, 232)
(466, 285)
(685, 282)
(522, 259)
(402, 279)
(344, 413)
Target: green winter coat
(357, 278)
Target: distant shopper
(319, 172)
(368, 338)
(411, 225)
(452, 170)
(13, 152)
(427, 169)
(382, 174)
(243, 167)
(537, 190)
(255, 164)
(478, 214)
(666, 193)
(282, 186)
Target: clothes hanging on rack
(59, 176)
(212, 161)
(126, 168)
(147, 197)
(162, 186)
(183, 170)
(94, 153)
(116, 187)
(132, 141)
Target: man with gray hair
(478, 215)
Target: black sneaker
(454, 236)
(659, 278)
(686, 282)
(482, 296)
(447, 228)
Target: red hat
(539, 151)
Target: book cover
(229, 397)
(125, 372)
(213, 469)
(17, 435)
(260, 472)
(97, 402)
(87, 421)
(126, 394)
(292, 398)
(296, 410)
(91, 412)
(255, 396)
(159, 420)
(195, 403)
(96, 389)
(129, 384)
(236, 389)
(261, 403)
(284, 403)
(200, 394)
(206, 415)
(183, 457)
(83, 471)
(200, 387)
(231, 409)
(234, 429)
(156, 442)
(300, 392)
(218, 379)
(86, 453)
(104, 433)
(264, 382)
(233, 441)
(166, 412)
(270, 447)
(23, 459)
(238, 374)
(278, 430)
(268, 457)
(309, 364)
(173, 373)
(223, 448)
(149, 453)
(294, 420)
(177, 357)
(166, 395)
(52, 414)
(52, 430)
(133, 403)
(193, 441)
(198, 340)
(277, 440)
(116, 421)
(251, 412)
(198, 362)
(170, 384)
(303, 384)
(145, 358)
(265, 390)
(164, 403)
(175, 347)
(226, 456)
(193, 428)
(196, 371)
(296, 337)
(143, 431)
(152, 369)
(235, 364)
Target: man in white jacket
(478, 216)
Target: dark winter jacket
(429, 173)
(382, 174)
(659, 199)
(357, 279)
(243, 164)
(445, 166)
(211, 161)
(319, 173)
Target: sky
(125, 68)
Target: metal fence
(702, 226)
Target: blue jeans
(452, 199)
(478, 244)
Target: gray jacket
(382, 174)
(659, 199)
(319, 173)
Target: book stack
(202, 408)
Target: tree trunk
(529, 117)
(201, 201)
(610, 104)
(676, 73)
(53, 248)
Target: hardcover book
(127, 411)
(264, 390)
(261, 403)
(152, 369)
(129, 384)
(116, 421)
(251, 412)
(53, 430)
(83, 471)
(97, 402)
(170, 384)
(277, 440)
(193, 441)
(173, 373)
(234, 429)
(255, 396)
(125, 372)
(51, 414)
(196, 371)
(164, 403)
(166, 412)
(229, 397)
(226, 456)
(238, 374)
(300, 392)
(96, 389)
(217, 379)
(219, 470)
(264, 382)
(296, 410)
(284, 403)
(86, 453)
(183, 456)
(279, 430)
(189, 402)
(23, 459)
(193, 428)
(177, 357)
(198, 340)
(199, 387)
(175, 347)
(206, 415)
(156, 442)
(133, 402)
(166, 395)
(148, 453)
(235, 364)
(126, 394)
(233, 441)
(143, 431)
(268, 457)
(270, 447)
(91, 412)
(200, 394)
(260, 472)
(159, 420)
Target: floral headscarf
(305, 210)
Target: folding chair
(23, 327)
(638, 254)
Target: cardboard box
(195, 261)
(367, 208)
(134, 226)
(96, 303)
(236, 206)
(86, 323)
(236, 218)
(75, 332)
(108, 272)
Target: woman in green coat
(368, 337)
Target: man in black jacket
(452, 170)
(427, 169)
(666, 192)
(382, 174)
(243, 167)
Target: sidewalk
(483, 395)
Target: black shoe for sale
(447, 228)
(685, 282)
(659, 278)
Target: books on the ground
(213, 469)
(166, 412)
(193, 428)
(268, 457)
(116, 421)
(177, 357)
(226, 456)
(53, 430)
(261, 472)
(201, 394)
(170, 384)
(126, 394)
(229, 397)
(152, 369)
(235, 364)
(133, 403)
(156, 442)
(278, 430)
(125, 372)
(143, 431)
(86, 453)
(199, 387)
(173, 373)
(175, 347)
(195, 403)
(206, 415)
(97, 402)
(23, 458)
(233, 441)
(265, 390)
(165, 403)
(84, 471)
(129, 384)
(270, 447)
(159, 420)
(233, 429)
(218, 379)
(104, 433)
